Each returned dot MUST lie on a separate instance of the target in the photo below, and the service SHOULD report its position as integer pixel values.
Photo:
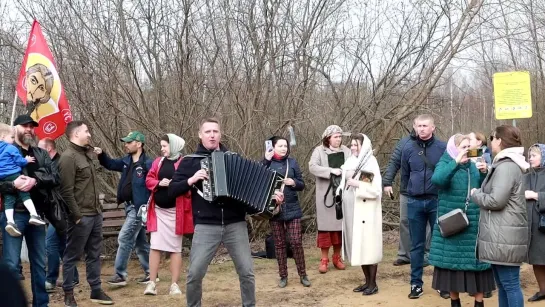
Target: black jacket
(395, 164)
(204, 212)
(290, 209)
(47, 177)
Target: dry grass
(221, 288)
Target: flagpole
(13, 109)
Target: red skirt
(326, 239)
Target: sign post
(512, 95)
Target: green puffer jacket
(458, 251)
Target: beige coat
(362, 213)
(318, 166)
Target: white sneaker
(175, 290)
(36, 220)
(12, 229)
(150, 289)
(49, 287)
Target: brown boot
(323, 265)
(338, 262)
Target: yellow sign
(512, 95)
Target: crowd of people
(498, 191)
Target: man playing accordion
(215, 223)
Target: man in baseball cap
(134, 136)
(132, 192)
(25, 119)
(38, 183)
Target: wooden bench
(113, 217)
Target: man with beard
(42, 176)
(133, 193)
(84, 233)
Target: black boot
(455, 303)
(479, 304)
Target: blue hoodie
(11, 160)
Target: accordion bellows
(234, 178)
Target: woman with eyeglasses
(456, 266)
(503, 225)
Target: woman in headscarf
(325, 163)
(361, 190)
(535, 201)
(168, 219)
(454, 258)
(286, 224)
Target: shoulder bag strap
(285, 176)
(468, 189)
(423, 156)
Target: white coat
(362, 211)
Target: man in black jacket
(215, 223)
(404, 247)
(55, 242)
(43, 177)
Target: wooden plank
(113, 223)
(110, 233)
(113, 214)
(113, 206)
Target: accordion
(240, 180)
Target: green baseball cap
(134, 136)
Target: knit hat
(331, 130)
(176, 144)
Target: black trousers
(86, 237)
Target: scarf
(541, 148)
(516, 154)
(331, 130)
(452, 149)
(279, 157)
(363, 159)
(176, 144)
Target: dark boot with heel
(455, 303)
(479, 304)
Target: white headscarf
(176, 144)
(363, 158)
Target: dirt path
(221, 288)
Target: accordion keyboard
(207, 187)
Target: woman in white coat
(361, 190)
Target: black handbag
(338, 202)
(456, 220)
(335, 160)
(541, 224)
(56, 212)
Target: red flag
(40, 88)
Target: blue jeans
(508, 281)
(132, 235)
(35, 240)
(55, 245)
(421, 213)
